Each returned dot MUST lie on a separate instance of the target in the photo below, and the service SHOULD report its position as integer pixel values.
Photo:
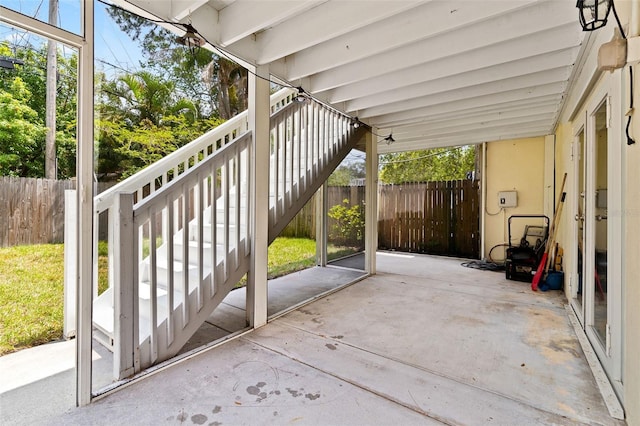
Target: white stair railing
(177, 282)
(308, 141)
(179, 239)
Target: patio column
(259, 125)
(371, 206)
(85, 209)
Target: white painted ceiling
(432, 73)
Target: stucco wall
(513, 165)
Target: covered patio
(425, 341)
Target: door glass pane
(579, 295)
(600, 215)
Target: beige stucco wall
(513, 165)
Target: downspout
(483, 202)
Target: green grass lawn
(32, 286)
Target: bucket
(554, 281)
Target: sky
(114, 50)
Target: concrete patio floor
(425, 341)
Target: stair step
(193, 250)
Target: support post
(70, 266)
(259, 111)
(85, 208)
(321, 225)
(124, 295)
(371, 206)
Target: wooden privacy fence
(303, 225)
(433, 217)
(32, 210)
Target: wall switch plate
(508, 199)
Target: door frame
(608, 89)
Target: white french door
(596, 289)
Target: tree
(140, 120)
(32, 74)
(439, 164)
(50, 166)
(20, 132)
(217, 86)
(345, 173)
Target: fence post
(70, 264)
(124, 288)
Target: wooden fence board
(432, 217)
(32, 210)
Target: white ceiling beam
(317, 25)
(434, 18)
(470, 139)
(477, 117)
(479, 102)
(497, 108)
(465, 41)
(557, 60)
(453, 127)
(243, 18)
(495, 127)
(181, 9)
(558, 44)
(532, 81)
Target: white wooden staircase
(179, 231)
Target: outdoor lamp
(301, 97)
(191, 39)
(593, 13)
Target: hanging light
(190, 39)
(301, 97)
(355, 123)
(593, 14)
(389, 139)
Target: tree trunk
(50, 166)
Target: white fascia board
(586, 72)
(319, 24)
(243, 18)
(472, 26)
(553, 43)
(530, 82)
(479, 102)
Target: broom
(551, 239)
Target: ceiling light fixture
(301, 97)
(191, 39)
(355, 122)
(593, 14)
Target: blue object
(554, 281)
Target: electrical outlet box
(508, 199)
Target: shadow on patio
(425, 341)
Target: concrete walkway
(426, 341)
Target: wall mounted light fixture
(593, 14)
